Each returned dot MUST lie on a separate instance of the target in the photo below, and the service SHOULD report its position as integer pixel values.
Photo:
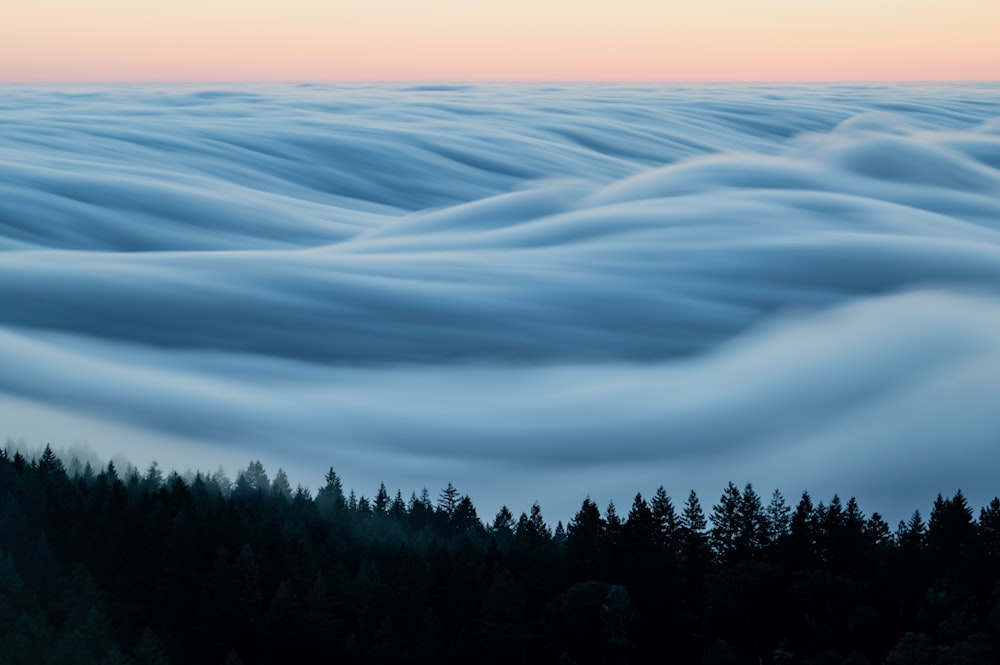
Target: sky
(491, 40)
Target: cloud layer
(542, 292)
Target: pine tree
(448, 500)
(253, 479)
(694, 541)
(911, 534)
(585, 539)
(559, 535)
(949, 529)
(537, 522)
(726, 525)
(877, 532)
(381, 503)
(989, 529)
(464, 517)
(503, 523)
(612, 524)
(153, 480)
(778, 517)
(587, 526)
(280, 487)
(802, 537)
(49, 463)
(751, 538)
(665, 519)
(640, 528)
(398, 508)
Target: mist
(533, 292)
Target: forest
(109, 567)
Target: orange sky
(667, 40)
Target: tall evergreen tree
(751, 537)
(253, 479)
(381, 502)
(503, 523)
(640, 528)
(464, 518)
(666, 520)
(779, 517)
(280, 487)
(726, 524)
(448, 500)
(586, 531)
(912, 534)
(330, 498)
(612, 524)
(694, 540)
(803, 532)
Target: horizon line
(489, 81)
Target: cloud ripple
(598, 288)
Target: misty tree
(153, 480)
(398, 507)
(49, 463)
(222, 481)
(252, 479)
(290, 583)
(330, 497)
(420, 508)
(280, 486)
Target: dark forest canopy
(98, 566)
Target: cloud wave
(591, 287)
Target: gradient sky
(520, 40)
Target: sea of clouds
(533, 292)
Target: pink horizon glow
(452, 40)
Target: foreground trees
(152, 568)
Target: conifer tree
(503, 523)
(751, 537)
(778, 517)
(381, 502)
(726, 524)
(448, 500)
(665, 519)
(280, 487)
(612, 524)
(694, 541)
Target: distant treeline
(98, 567)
